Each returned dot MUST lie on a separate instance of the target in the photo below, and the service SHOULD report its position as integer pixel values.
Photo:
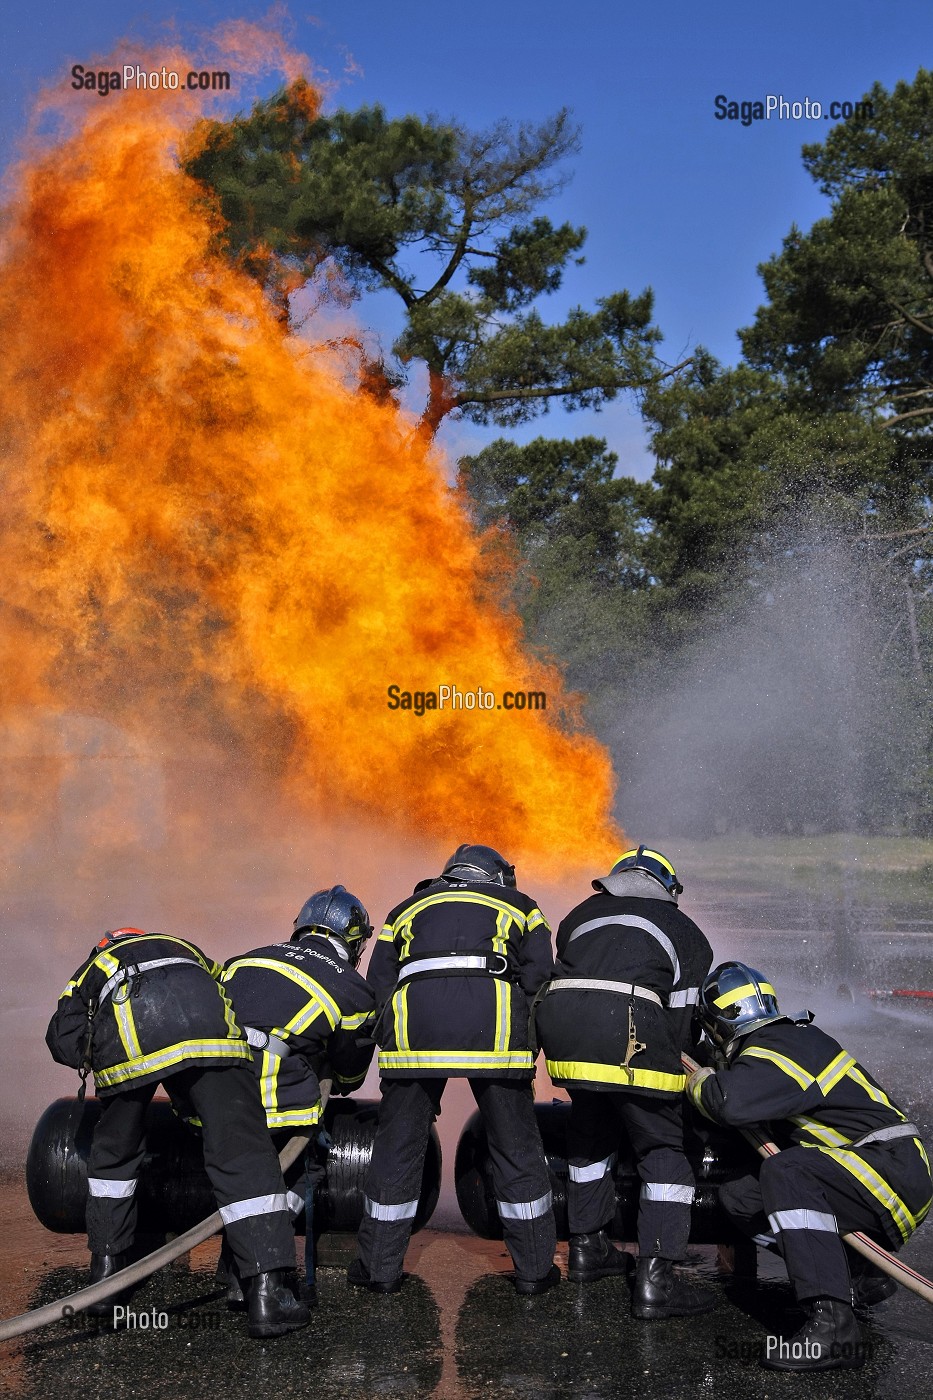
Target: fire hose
(881, 1258)
(151, 1264)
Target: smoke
(792, 713)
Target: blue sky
(672, 198)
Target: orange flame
(209, 534)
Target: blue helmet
(653, 863)
(479, 863)
(734, 1000)
(338, 913)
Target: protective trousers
(654, 1128)
(239, 1159)
(803, 1201)
(519, 1173)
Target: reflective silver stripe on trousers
(802, 1220)
(131, 969)
(885, 1134)
(118, 1190)
(264, 1040)
(764, 1240)
(255, 1205)
(595, 1171)
(633, 921)
(525, 1210)
(465, 961)
(296, 1203)
(688, 997)
(592, 984)
(667, 1191)
(406, 1211)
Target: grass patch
(844, 866)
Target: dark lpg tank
(174, 1192)
(714, 1154)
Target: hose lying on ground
(135, 1273)
(881, 1258)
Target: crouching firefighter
(455, 968)
(851, 1161)
(146, 1008)
(303, 1005)
(612, 1024)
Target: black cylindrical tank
(174, 1192)
(714, 1154)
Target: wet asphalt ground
(457, 1330)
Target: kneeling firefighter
(146, 1008)
(455, 969)
(851, 1162)
(303, 1004)
(613, 1023)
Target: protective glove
(694, 1086)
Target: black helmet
(480, 863)
(734, 1000)
(653, 863)
(336, 912)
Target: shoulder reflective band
(265, 1040)
(669, 1191)
(132, 969)
(496, 964)
(592, 984)
(632, 921)
(749, 990)
(803, 1220)
(885, 1134)
(405, 1211)
(255, 1205)
(525, 1210)
(116, 1190)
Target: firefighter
(303, 1005)
(455, 968)
(147, 1008)
(852, 1161)
(613, 1023)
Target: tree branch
(554, 391)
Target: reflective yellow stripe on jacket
(615, 1074)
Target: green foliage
(445, 218)
(850, 312)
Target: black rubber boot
(104, 1266)
(227, 1273)
(829, 1340)
(358, 1276)
(272, 1308)
(595, 1256)
(531, 1287)
(659, 1293)
(869, 1285)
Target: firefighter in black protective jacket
(304, 1005)
(455, 968)
(145, 1008)
(612, 1024)
(851, 1162)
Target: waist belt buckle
(499, 971)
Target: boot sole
(592, 1275)
(266, 1332)
(648, 1313)
(839, 1363)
